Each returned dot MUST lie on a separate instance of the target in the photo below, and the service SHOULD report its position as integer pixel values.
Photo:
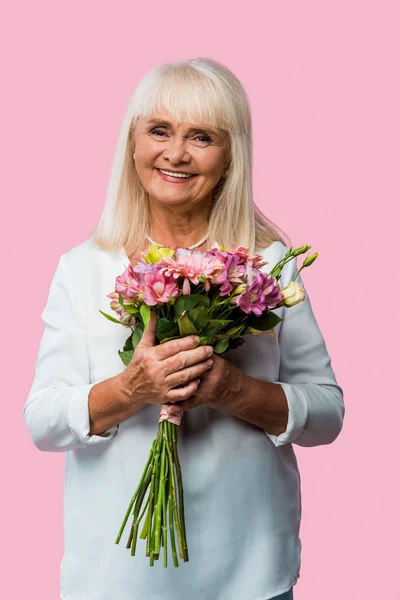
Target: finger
(186, 358)
(148, 338)
(172, 347)
(182, 393)
(191, 402)
(184, 375)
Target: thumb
(148, 338)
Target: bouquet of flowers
(219, 295)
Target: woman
(181, 177)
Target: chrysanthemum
(191, 265)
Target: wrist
(126, 394)
(237, 390)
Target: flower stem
(171, 514)
(159, 505)
(165, 502)
(138, 505)
(173, 486)
(134, 496)
(151, 502)
(180, 488)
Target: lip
(172, 179)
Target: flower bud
(301, 250)
(310, 259)
(293, 293)
(242, 287)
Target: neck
(175, 227)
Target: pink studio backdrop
(323, 82)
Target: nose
(176, 151)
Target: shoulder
(82, 262)
(87, 255)
(80, 254)
(273, 252)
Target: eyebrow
(167, 124)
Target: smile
(170, 175)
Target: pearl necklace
(193, 247)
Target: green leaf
(209, 331)
(165, 328)
(220, 323)
(185, 325)
(198, 315)
(268, 320)
(221, 346)
(129, 344)
(167, 339)
(137, 333)
(126, 356)
(110, 318)
(132, 310)
(145, 314)
(234, 332)
(188, 301)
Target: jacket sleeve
(56, 411)
(315, 400)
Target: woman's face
(180, 148)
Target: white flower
(293, 293)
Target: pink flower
(157, 287)
(255, 260)
(252, 299)
(190, 265)
(127, 284)
(235, 270)
(251, 273)
(263, 294)
(271, 290)
(125, 318)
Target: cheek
(213, 166)
(147, 151)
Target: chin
(169, 199)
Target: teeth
(176, 174)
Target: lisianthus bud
(239, 289)
(310, 259)
(301, 250)
(293, 293)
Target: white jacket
(226, 461)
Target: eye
(202, 136)
(156, 131)
(205, 137)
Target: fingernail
(196, 338)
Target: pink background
(323, 81)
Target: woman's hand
(219, 386)
(155, 371)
